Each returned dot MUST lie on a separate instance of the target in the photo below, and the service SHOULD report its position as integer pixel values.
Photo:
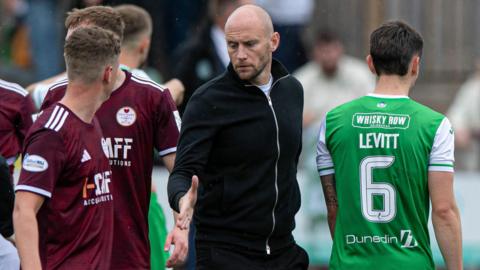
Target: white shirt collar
(387, 96)
(266, 87)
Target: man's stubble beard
(260, 70)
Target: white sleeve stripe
(34, 190)
(62, 121)
(57, 118)
(325, 168)
(442, 164)
(57, 85)
(326, 172)
(13, 87)
(150, 83)
(52, 116)
(440, 169)
(167, 151)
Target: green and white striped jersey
(380, 149)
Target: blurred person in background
(289, 19)
(204, 56)
(464, 113)
(44, 19)
(15, 55)
(329, 79)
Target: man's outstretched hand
(178, 238)
(186, 205)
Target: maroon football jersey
(16, 109)
(139, 116)
(64, 161)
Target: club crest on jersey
(126, 116)
(34, 163)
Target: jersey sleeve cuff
(438, 167)
(36, 190)
(167, 151)
(326, 171)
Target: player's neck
(393, 85)
(120, 79)
(83, 100)
(130, 60)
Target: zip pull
(268, 249)
(269, 100)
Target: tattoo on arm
(329, 190)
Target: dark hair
(325, 36)
(392, 47)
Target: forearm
(177, 90)
(177, 187)
(26, 239)
(448, 233)
(332, 219)
(330, 193)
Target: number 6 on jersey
(368, 189)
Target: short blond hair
(101, 16)
(88, 51)
(137, 22)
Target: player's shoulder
(12, 88)
(52, 119)
(58, 85)
(427, 113)
(146, 84)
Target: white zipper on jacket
(267, 246)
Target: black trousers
(221, 257)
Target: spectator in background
(289, 19)
(45, 23)
(15, 58)
(463, 113)
(329, 79)
(204, 56)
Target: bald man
(241, 138)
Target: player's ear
(274, 41)
(415, 65)
(107, 77)
(144, 46)
(369, 60)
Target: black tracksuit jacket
(244, 147)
